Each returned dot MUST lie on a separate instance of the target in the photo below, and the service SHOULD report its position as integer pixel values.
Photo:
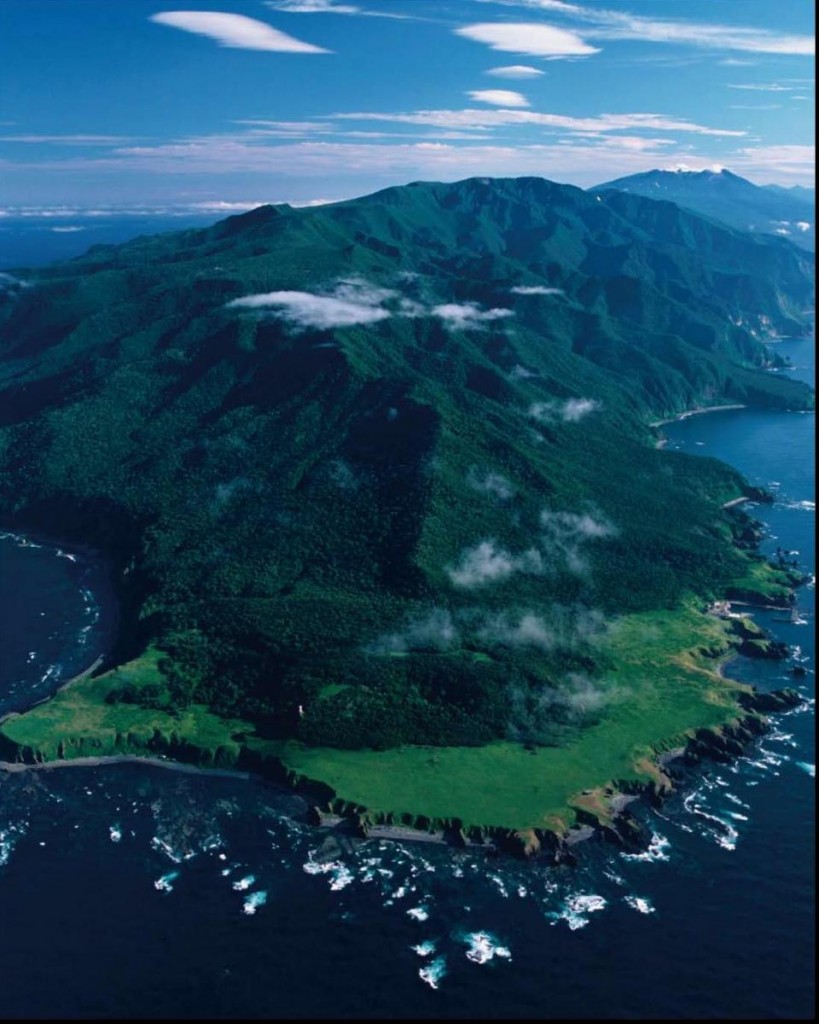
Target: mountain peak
(722, 195)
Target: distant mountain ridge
(769, 209)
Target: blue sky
(214, 105)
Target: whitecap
(8, 840)
(735, 800)
(340, 874)
(418, 913)
(433, 972)
(165, 883)
(244, 883)
(424, 948)
(806, 766)
(640, 904)
(483, 947)
(577, 908)
(499, 885)
(115, 832)
(656, 850)
(254, 901)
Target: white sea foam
(244, 883)
(497, 881)
(576, 909)
(9, 838)
(807, 767)
(433, 972)
(638, 903)
(254, 901)
(483, 947)
(418, 913)
(340, 874)
(424, 948)
(724, 834)
(115, 832)
(165, 883)
(656, 851)
(735, 800)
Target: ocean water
(127, 890)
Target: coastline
(697, 411)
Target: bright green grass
(659, 688)
(657, 691)
(77, 722)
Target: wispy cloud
(488, 563)
(559, 627)
(348, 307)
(69, 140)
(534, 39)
(331, 7)
(605, 24)
(489, 119)
(499, 97)
(762, 87)
(11, 285)
(490, 483)
(467, 316)
(235, 31)
(515, 71)
(535, 289)
(355, 301)
(566, 533)
(434, 631)
(572, 410)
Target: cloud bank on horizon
(228, 105)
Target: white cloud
(527, 630)
(10, 283)
(465, 316)
(490, 483)
(560, 627)
(303, 309)
(535, 289)
(235, 31)
(488, 119)
(312, 7)
(565, 533)
(499, 97)
(762, 87)
(69, 140)
(572, 410)
(610, 24)
(435, 631)
(330, 7)
(488, 563)
(515, 71)
(355, 301)
(533, 39)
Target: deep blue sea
(128, 891)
